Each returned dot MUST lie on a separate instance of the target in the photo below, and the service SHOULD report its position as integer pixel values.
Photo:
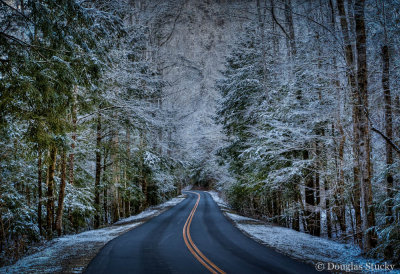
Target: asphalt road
(192, 237)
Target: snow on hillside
(72, 253)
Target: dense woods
(82, 123)
(108, 107)
(310, 108)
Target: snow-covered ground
(150, 212)
(296, 244)
(218, 199)
(72, 253)
(238, 218)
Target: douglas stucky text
(354, 267)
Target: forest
(289, 108)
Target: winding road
(192, 237)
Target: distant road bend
(192, 237)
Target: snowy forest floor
(297, 245)
(72, 253)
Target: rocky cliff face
(198, 37)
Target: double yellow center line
(192, 247)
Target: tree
(363, 127)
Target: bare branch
(17, 11)
(174, 25)
(387, 139)
(272, 8)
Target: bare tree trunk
(355, 117)
(98, 172)
(128, 153)
(328, 210)
(290, 35)
(105, 196)
(310, 206)
(319, 153)
(145, 191)
(50, 190)
(388, 131)
(363, 127)
(72, 154)
(298, 214)
(289, 21)
(261, 14)
(275, 41)
(341, 208)
(115, 178)
(61, 193)
(40, 191)
(280, 207)
(143, 181)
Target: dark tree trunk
(128, 154)
(275, 40)
(289, 21)
(72, 154)
(388, 132)
(115, 208)
(61, 193)
(363, 127)
(340, 208)
(328, 210)
(317, 212)
(105, 196)
(389, 150)
(261, 14)
(50, 190)
(356, 199)
(98, 173)
(310, 205)
(40, 191)
(296, 216)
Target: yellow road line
(192, 247)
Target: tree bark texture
(363, 127)
(61, 193)
(349, 58)
(50, 190)
(98, 172)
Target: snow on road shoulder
(303, 246)
(217, 198)
(152, 211)
(238, 218)
(298, 245)
(142, 215)
(72, 253)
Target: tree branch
(174, 25)
(272, 8)
(17, 11)
(387, 139)
(21, 43)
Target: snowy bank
(216, 197)
(151, 212)
(72, 253)
(298, 245)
